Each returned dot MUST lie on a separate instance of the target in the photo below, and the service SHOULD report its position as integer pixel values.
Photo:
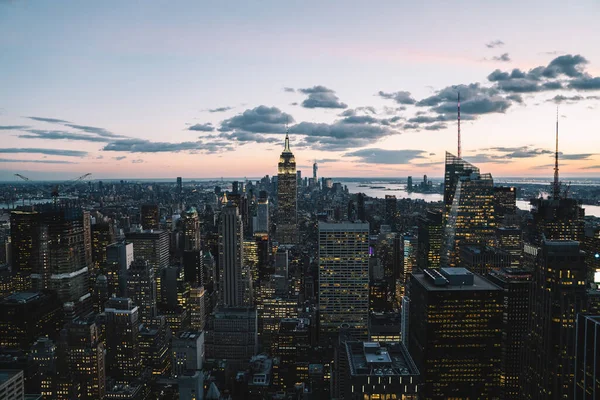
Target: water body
(381, 189)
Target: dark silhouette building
(150, 216)
(429, 239)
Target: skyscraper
(429, 239)
(234, 282)
(152, 246)
(25, 246)
(141, 288)
(390, 210)
(119, 257)
(470, 219)
(455, 333)
(505, 202)
(102, 236)
(150, 216)
(558, 294)
(455, 168)
(123, 357)
(409, 261)
(287, 197)
(587, 360)
(262, 218)
(343, 278)
(191, 230)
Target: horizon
(152, 91)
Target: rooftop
(479, 283)
(22, 297)
(370, 358)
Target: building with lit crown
(287, 197)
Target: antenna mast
(459, 156)
(556, 186)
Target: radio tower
(556, 186)
(458, 125)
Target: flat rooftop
(22, 297)
(372, 358)
(479, 283)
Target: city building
(25, 246)
(187, 352)
(391, 210)
(235, 285)
(429, 239)
(516, 284)
(409, 261)
(287, 197)
(384, 327)
(119, 257)
(197, 308)
(123, 358)
(505, 203)
(455, 333)
(556, 218)
(262, 216)
(102, 237)
(11, 385)
(150, 216)
(343, 279)
(141, 289)
(155, 340)
(510, 239)
(191, 385)
(455, 168)
(292, 344)
(587, 358)
(558, 294)
(483, 259)
(152, 246)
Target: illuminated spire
(556, 186)
(458, 125)
(286, 149)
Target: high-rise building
(152, 246)
(141, 289)
(292, 344)
(587, 359)
(361, 212)
(483, 259)
(150, 216)
(187, 352)
(455, 334)
(155, 339)
(456, 168)
(102, 237)
(43, 354)
(510, 239)
(343, 278)
(315, 169)
(505, 202)
(556, 219)
(516, 284)
(409, 261)
(12, 384)
(262, 217)
(287, 197)
(558, 294)
(119, 257)
(191, 230)
(25, 246)
(197, 308)
(123, 357)
(470, 218)
(429, 239)
(390, 210)
(235, 287)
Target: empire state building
(287, 187)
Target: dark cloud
(401, 97)
(569, 65)
(8, 160)
(485, 158)
(576, 157)
(517, 98)
(585, 83)
(119, 158)
(245, 137)
(95, 130)
(208, 127)
(494, 43)
(146, 146)
(478, 105)
(261, 119)
(503, 57)
(50, 120)
(384, 156)
(435, 127)
(289, 89)
(591, 167)
(321, 97)
(12, 127)
(520, 152)
(219, 109)
(61, 135)
(50, 152)
(138, 161)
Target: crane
(55, 189)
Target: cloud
(401, 97)
(119, 158)
(12, 127)
(8, 160)
(138, 161)
(50, 152)
(384, 156)
(585, 83)
(485, 158)
(582, 156)
(261, 119)
(245, 137)
(591, 167)
(503, 57)
(321, 97)
(50, 120)
(289, 89)
(520, 152)
(146, 146)
(474, 100)
(202, 127)
(494, 43)
(569, 65)
(219, 109)
(96, 131)
(436, 127)
(61, 135)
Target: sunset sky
(159, 89)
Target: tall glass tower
(287, 188)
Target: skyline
(371, 95)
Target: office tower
(292, 344)
(455, 333)
(123, 357)
(191, 385)
(43, 354)
(510, 239)
(250, 260)
(587, 359)
(556, 219)
(179, 191)
(150, 216)
(119, 257)
(270, 312)
(429, 239)
(197, 308)
(191, 230)
(409, 183)
(174, 288)
(343, 278)
(155, 339)
(390, 210)
(85, 358)
(455, 167)
(262, 217)
(558, 294)
(287, 197)
(25, 316)
(132, 391)
(378, 371)
(516, 284)
(187, 352)
(409, 260)
(141, 289)
(379, 291)
(25, 246)
(470, 219)
(235, 287)
(152, 246)
(361, 212)
(505, 202)
(315, 169)
(102, 237)
(12, 384)
(231, 335)
(483, 259)
(385, 327)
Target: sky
(198, 89)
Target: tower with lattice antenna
(458, 154)
(556, 184)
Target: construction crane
(55, 189)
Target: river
(399, 190)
